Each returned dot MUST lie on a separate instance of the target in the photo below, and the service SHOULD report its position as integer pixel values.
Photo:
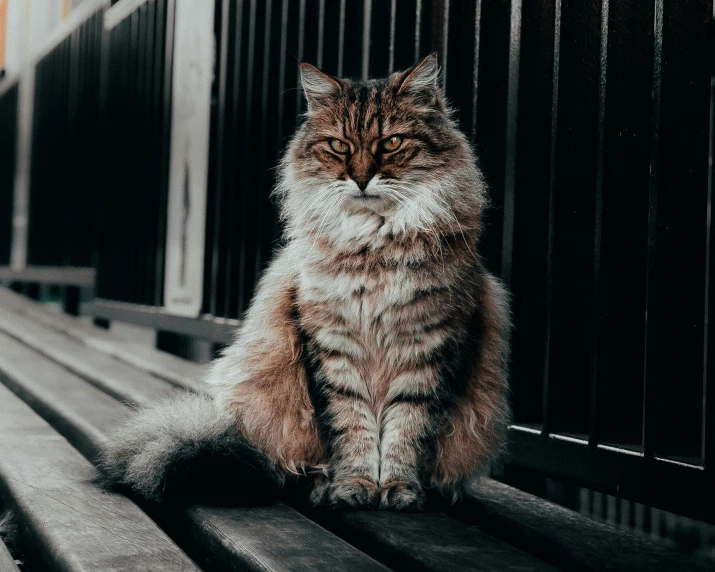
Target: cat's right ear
(319, 87)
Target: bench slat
(66, 522)
(79, 411)
(7, 562)
(180, 372)
(269, 538)
(113, 376)
(231, 539)
(562, 536)
(427, 541)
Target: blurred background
(137, 146)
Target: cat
(373, 357)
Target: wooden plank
(60, 275)
(161, 364)
(563, 537)
(7, 562)
(231, 538)
(79, 411)
(274, 537)
(426, 541)
(112, 376)
(66, 522)
(218, 330)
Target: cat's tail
(188, 448)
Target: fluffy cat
(373, 356)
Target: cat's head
(382, 155)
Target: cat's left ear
(319, 87)
(422, 81)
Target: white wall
(30, 25)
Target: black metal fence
(8, 139)
(136, 107)
(65, 154)
(594, 128)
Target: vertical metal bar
(250, 57)
(282, 72)
(393, 26)
(321, 33)
(260, 210)
(236, 141)
(366, 28)
(708, 431)
(550, 244)
(597, 232)
(475, 72)
(168, 13)
(221, 74)
(341, 38)
(21, 201)
(418, 28)
(445, 42)
(301, 52)
(510, 154)
(650, 329)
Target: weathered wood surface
(65, 521)
(77, 410)
(115, 377)
(427, 541)
(564, 537)
(232, 539)
(7, 562)
(56, 275)
(274, 538)
(180, 372)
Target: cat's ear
(319, 87)
(423, 78)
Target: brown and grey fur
(373, 355)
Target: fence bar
(598, 212)
(366, 28)
(188, 168)
(511, 125)
(475, 72)
(708, 425)
(21, 201)
(546, 420)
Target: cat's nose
(362, 169)
(362, 181)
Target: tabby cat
(372, 360)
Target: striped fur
(374, 352)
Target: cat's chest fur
(374, 312)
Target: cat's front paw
(351, 492)
(400, 495)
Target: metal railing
(8, 138)
(136, 107)
(594, 129)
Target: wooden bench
(65, 384)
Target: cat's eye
(339, 146)
(391, 144)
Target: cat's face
(382, 150)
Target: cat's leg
(474, 431)
(261, 377)
(407, 427)
(352, 431)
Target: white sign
(188, 165)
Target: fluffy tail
(188, 448)
(7, 527)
